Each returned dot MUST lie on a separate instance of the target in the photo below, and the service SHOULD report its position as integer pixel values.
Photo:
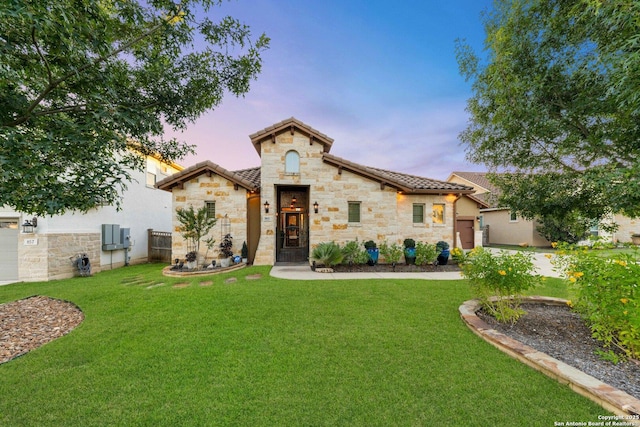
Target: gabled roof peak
(291, 124)
(246, 178)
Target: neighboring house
(301, 196)
(47, 252)
(499, 224)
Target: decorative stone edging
(610, 398)
(173, 273)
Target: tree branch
(55, 83)
(44, 60)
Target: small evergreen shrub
(370, 244)
(409, 243)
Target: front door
(293, 227)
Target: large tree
(556, 102)
(87, 88)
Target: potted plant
(410, 251)
(635, 238)
(373, 251)
(244, 252)
(443, 252)
(191, 257)
(226, 250)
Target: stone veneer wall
(229, 201)
(51, 258)
(385, 214)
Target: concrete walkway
(304, 272)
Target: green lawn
(272, 352)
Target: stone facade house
(47, 251)
(301, 195)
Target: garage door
(9, 250)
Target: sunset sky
(380, 78)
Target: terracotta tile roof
(246, 178)
(401, 181)
(290, 125)
(252, 175)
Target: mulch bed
(398, 268)
(31, 322)
(561, 333)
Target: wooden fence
(159, 249)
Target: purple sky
(380, 78)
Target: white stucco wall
(46, 254)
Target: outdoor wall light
(29, 225)
(266, 207)
(315, 207)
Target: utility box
(125, 237)
(111, 239)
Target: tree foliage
(88, 88)
(557, 104)
(194, 225)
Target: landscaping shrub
(391, 253)
(353, 253)
(426, 253)
(327, 253)
(499, 280)
(607, 295)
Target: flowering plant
(607, 296)
(498, 281)
(457, 255)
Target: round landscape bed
(167, 271)
(626, 406)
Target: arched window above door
(292, 162)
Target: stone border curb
(168, 272)
(610, 398)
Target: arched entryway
(292, 235)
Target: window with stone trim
(418, 213)
(354, 212)
(211, 209)
(292, 162)
(437, 213)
